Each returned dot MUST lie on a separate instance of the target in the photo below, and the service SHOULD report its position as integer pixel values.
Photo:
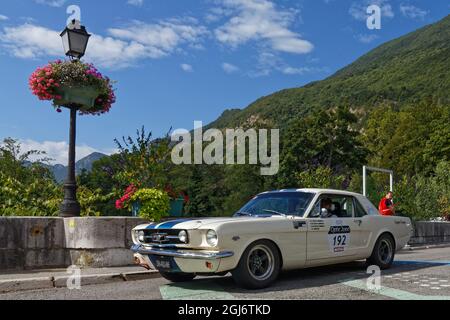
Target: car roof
(316, 190)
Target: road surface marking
(436, 263)
(195, 290)
(392, 293)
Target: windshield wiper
(275, 212)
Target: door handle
(359, 222)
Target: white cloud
(51, 3)
(292, 70)
(122, 48)
(261, 21)
(229, 68)
(187, 67)
(30, 41)
(358, 10)
(366, 38)
(3, 18)
(269, 62)
(137, 3)
(58, 150)
(163, 37)
(412, 12)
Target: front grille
(162, 237)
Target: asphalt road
(416, 274)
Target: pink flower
(119, 205)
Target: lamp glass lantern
(75, 42)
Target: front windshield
(277, 203)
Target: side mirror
(324, 213)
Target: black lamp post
(75, 42)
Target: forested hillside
(403, 71)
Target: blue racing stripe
(171, 224)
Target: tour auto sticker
(338, 237)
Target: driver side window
(333, 206)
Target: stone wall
(30, 243)
(430, 233)
(35, 243)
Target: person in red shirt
(386, 206)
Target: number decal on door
(339, 238)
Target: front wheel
(178, 277)
(259, 266)
(383, 252)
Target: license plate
(163, 264)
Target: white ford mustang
(275, 231)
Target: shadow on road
(312, 277)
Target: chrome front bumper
(184, 254)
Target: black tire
(178, 277)
(259, 266)
(383, 253)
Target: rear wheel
(383, 252)
(259, 266)
(178, 277)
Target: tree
(325, 138)
(411, 141)
(320, 177)
(144, 161)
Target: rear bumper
(188, 261)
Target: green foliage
(411, 141)
(93, 201)
(144, 161)
(155, 204)
(26, 189)
(321, 177)
(29, 189)
(324, 138)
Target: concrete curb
(14, 285)
(25, 284)
(430, 246)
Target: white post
(391, 177)
(391, 181)
(364, 181)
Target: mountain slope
(60, 171)
(402, 71)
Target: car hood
(192, 224)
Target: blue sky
(177, 61)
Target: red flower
(119, 205)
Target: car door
(364, 231)
(336, 238)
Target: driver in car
(326, 208)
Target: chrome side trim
(201, 255)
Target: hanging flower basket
(84, 97)
(73, 84)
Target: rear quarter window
(368, 206)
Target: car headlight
(211, 238)
(183, 236)
(140, 236)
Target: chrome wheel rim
(260, 262)
(385, 251)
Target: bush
(155, 204)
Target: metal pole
(391, 181)
(70, 206)
(364, 181)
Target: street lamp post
(75, 42)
